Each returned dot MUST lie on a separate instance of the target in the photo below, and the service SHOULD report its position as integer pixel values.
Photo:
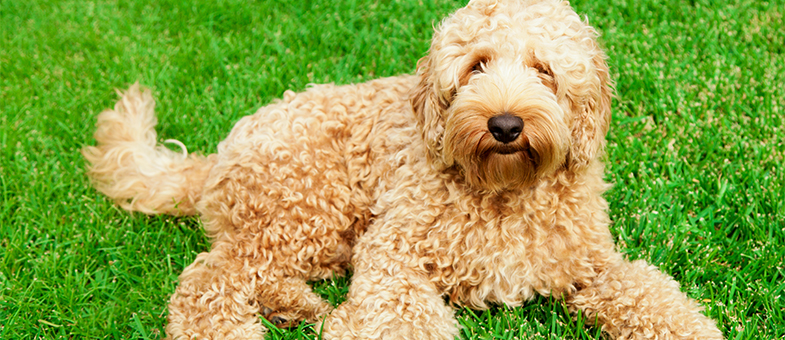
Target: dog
(477, 180)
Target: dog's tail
(130, 167)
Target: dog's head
(511, 91)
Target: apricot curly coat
(415, 183)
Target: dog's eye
(478, 67)
(546, 75)
(544, 70)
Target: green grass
(695, 150)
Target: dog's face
(511, 91)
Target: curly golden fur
(416, 183)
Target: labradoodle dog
(478, 180)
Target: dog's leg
(222, 295)
(389, 299)
(285, 301)
(212, 300)
(634, 300)
(272, 229)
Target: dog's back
(139, 174)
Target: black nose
(505, 128)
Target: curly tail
(130, 167)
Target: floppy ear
(591, 123)
(428, 111)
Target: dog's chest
(491, 254)
(497, 261)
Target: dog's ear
(428, 111)
(591, 123)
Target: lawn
(695, 150)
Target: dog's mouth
(508, 150)
(523, 150)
